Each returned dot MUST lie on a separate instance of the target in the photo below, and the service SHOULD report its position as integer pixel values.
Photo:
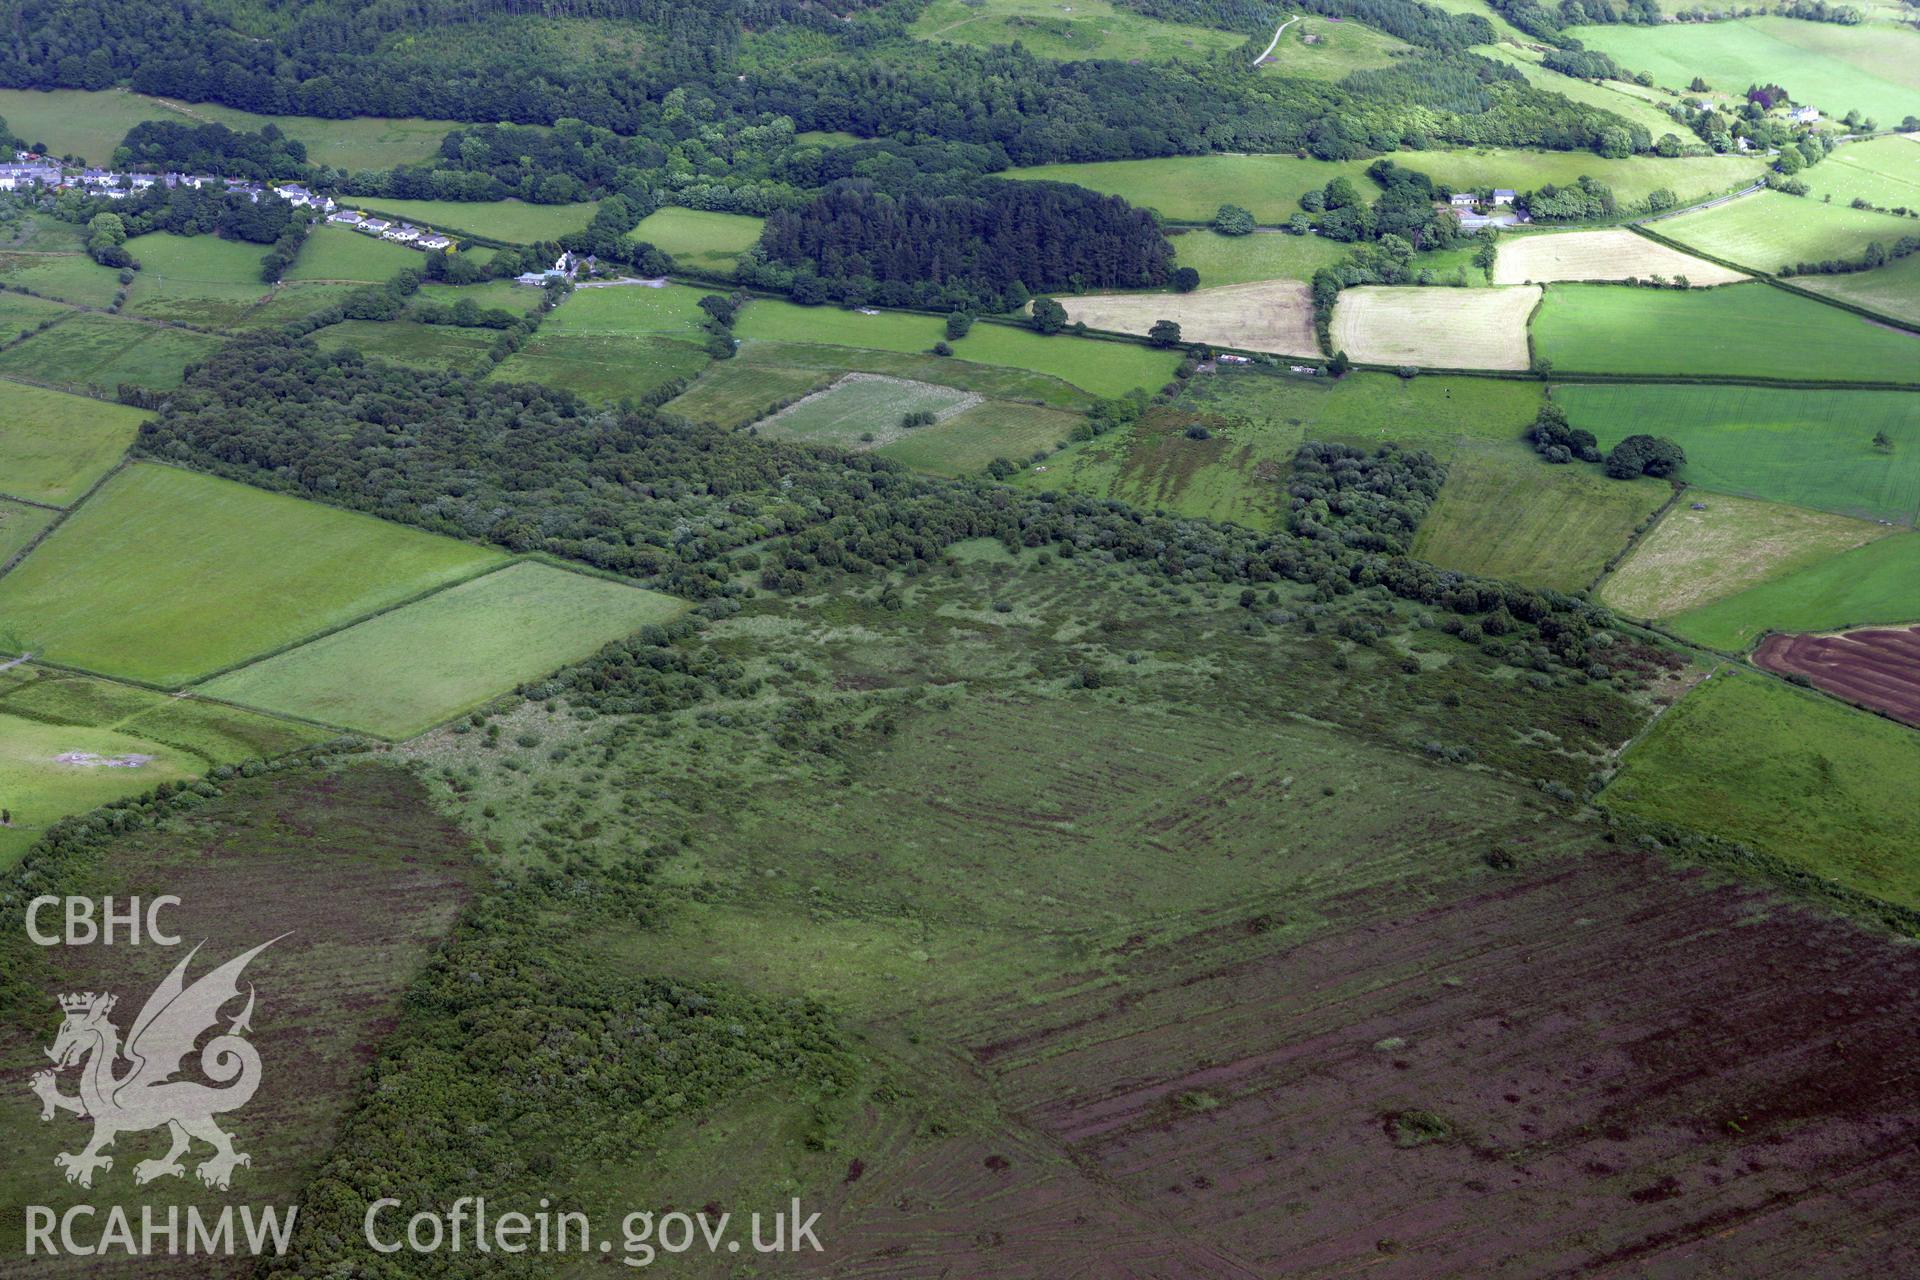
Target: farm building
(1804, 115)
(1503, 195)
(1461, 200)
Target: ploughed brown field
(1878, 667)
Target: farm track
(1275, 42)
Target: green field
(21, 315)
(20, 524)
(339, 253)
(198, 280)
(1835, 68)
(166, 576)
(103, 351)
(972, 438)
(514, 221)
(732, 393)
(862, 412)
(1822, 786)
(1876, 583)
(1067, 32)
(1808, 448)
(1892, 290)
(1770, 231)
(1319, 49)
(1264, 255)
(602, 366)
(408, 669)
(1882, 171)
(1609, 95)
(70, 277)
(630, 311)
(53, 446)
(419, 346)
(293, 302)
(698, 240)
(1506, 513)
(1738, 330)
(40, 788)
(1632, 179)
(799, 367)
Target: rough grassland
(1892, 290)
(764, 375)
(604, 367)
(1608, 95)
(40, 788)
(1084, 29)
(339, 253)
(1613, 254)
(629, 311)
(53, 445)
(862, 411)
(732, 393)
(419, 346)
(1319, 48)
(165, 575)
(1807, 448)
(514, 221)
(1824, 786)
(1274, 315)
(1770, 230)
(1505, 513)
(1878, 583)
(697, 239)
(1834, 68)
(1881, 171)
(972, 438)
(413, 667)
(101, 352)
(1692, 558)
(70, 277)
(1264, 255)
(1739, 330)
(200, 280)
(19, 525)
(1435, 327)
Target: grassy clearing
(1068, 32)
(972, 438)
(19, 525)
(53, 446)
(1872, 584)
(197, 280)
(863, 411)
(40, 788)
(1807, 448)
(1505, 513)
(70, 277)
(1320, 49)
(1192, 188)
(420, 346)
(406, 670)
(1613, 254)
(1264, 255)
(291, 302)
(700, 240)
(1770, 231)
(1274, 315)
(1892, 290)
(101, 352)
(1881, 171)
(1445, 328)
(1834, 68)
(1739, 330)
(602, 367)
(630, 311)
(732, 393)
(338, 253)
(166, 575)
(1821, 785)
(1692, 558)
(514, 221)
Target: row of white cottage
(401, 233)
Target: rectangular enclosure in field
(53, 445)
(1273, 315)
(1612, 254)
(166, 575)
(1435, 327)
(407, 670)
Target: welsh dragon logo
(145, 1094)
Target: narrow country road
(1704, 204)
(1274, 43)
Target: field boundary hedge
(61, 518)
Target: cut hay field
(69, 277)
(1808, 448)
(698, 240)
(1505, 513)
(1273, 315)
(1738, 330)
(1892, 290)
(412, 667)
(1824, 787)
(1068, 32)
(41, 788)
(863, 411)
(514, 221)
(1771, 231)
(101, 352)
(53, 446)
(1881, 171)
(198, 280)
(1264, 255)
(1435, 327)
(1874, 584)
(604, 367)
(1613, 254)
(20, 524)
(1835, 68)
(339, 253)
(420, 346)
(167, 576)
(972, 438)
(1693, 558)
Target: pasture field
(1892, 290)
(214, 732)
(167, 575)
(733, 393)
(1192, 188)
(1807, 448)
(1835, 68)
(412, 667)
(198, 280)
(1273, 315)
(20, 524)
(102, 351)
(1264, 255)
(1506, 513)
(41, 788)
(288, 303)
(1436, 327)
(736, 389)
(1613, 254)
(69, 277)
(1692, 558)
(697, 239)
(1822, 786)
(419, 346)
(1608, 95)
(1738, 330)
(630, 311)
(969, 440)
(1878, 583)
(37, 232)
(1633, 178)
(1881, 171)
(775, 320)
(342, 254)
(604, 367)
(503, 295)
(1319, 49)
(1435, 412)
(514, 221)
(21, 315)
(53, 446)
(1068, 32)
(1771, 231)
(863, 411)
